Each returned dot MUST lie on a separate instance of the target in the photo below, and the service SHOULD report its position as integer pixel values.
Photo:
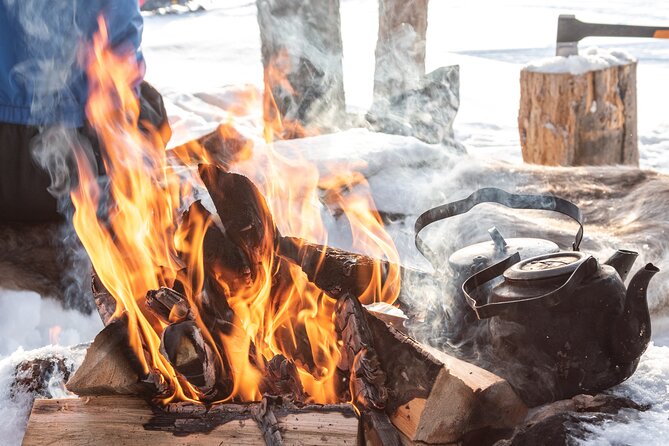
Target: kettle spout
(622, 261)
(631, 331)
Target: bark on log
(400, 48)
(576, 120)
(123, 420)
(302, 58)
(360, 362)
(434, 398)
(104, 301)
(223, 147)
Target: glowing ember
(138, 242)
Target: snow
(591, 59)
(203, 63)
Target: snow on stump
(579, 110)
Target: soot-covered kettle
(560, 323)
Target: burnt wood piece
(302, 58)
(129, 420)
(335, 271)
(267, 422)
(168, 305)
(367, 379)
(104, 301)
(223, 147)
(282, 379)
(435, 398)
(110, 366)
(184, 346)
(244, 214)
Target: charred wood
(223, 147)
(282, 379)
(104, 301)
(367, 379)
(244, 214)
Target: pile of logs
(399, 390)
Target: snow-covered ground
(194, 60)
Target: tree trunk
(400, 48)
(302, 58)
(577, 120)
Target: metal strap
(551, 299)
(499, 196)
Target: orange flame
(132, 232)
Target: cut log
(579, 119)
(223, 147)
(434, 398)
(400, 47)
(108, 368)
(359, 361)
(302, 58)
(121, 420)
(244, 214)
(104, 301)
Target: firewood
(126, 420)
(282, 379)
(360, 361)
(108, 367)
(104, 301)
(435, 398)
(223, 147)
(244, 215)
(168, 305)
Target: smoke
(51, 73)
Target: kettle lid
(546, 266)
(487, 253)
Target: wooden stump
(579, 119)
(302, 58)
(400, 48)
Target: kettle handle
(551, 299)
(499, 196)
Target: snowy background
(201, 62)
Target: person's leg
(23, 184)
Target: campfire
(223, 301)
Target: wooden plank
(120, 420)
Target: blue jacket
(41, 77)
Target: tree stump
(570, 119)
(302, 58)
(400, 48)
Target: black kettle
(559, 323)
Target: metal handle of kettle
(499, 196)
(551, 299)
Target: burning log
(302, 60)
(435, 398)
(282, 379)
(359, 360)
(128, 420)
(244, 215)
(222, 147)
(104, 301)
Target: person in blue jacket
(43, 84)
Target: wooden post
(400, 48)
(579, 119)
(302, 58)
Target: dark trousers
(24, 197)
